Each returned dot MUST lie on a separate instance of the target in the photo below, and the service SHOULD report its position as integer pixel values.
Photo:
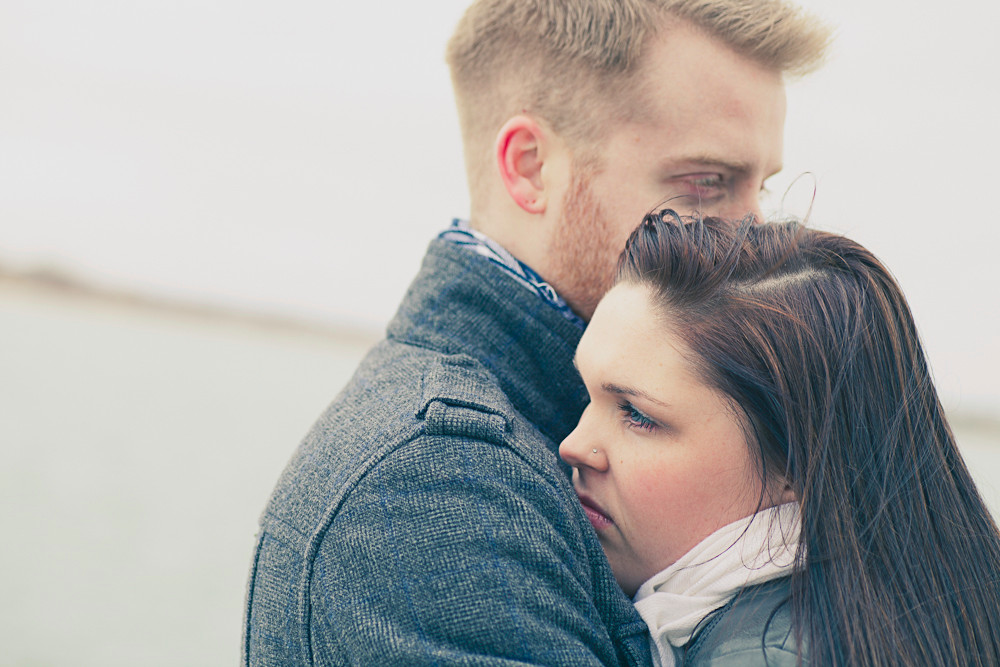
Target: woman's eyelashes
(634, 418)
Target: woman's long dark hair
(811, 337)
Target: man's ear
(520, 152)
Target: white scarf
(758, 548)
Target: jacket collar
(461, 303)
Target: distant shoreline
(60, 283)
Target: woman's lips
(598, 519)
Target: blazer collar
(461, 303)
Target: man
(426, 518)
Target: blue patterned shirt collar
(460, 233)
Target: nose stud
(594, 450)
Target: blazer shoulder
(399, 394)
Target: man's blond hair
(573, 62)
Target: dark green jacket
(755, 628)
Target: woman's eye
(633, 418)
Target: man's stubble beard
(585, 249)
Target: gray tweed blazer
(426, 519)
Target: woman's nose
(580, 449)
(571, 447)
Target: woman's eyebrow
(620, 390)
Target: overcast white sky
(296, 157)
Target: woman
(766, 461)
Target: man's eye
(708, 181)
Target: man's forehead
(705, 131)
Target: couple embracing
(701, 440)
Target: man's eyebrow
(620, 390)
(720, 163)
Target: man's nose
(749, 205)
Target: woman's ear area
(521, 151)
(788, 495)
